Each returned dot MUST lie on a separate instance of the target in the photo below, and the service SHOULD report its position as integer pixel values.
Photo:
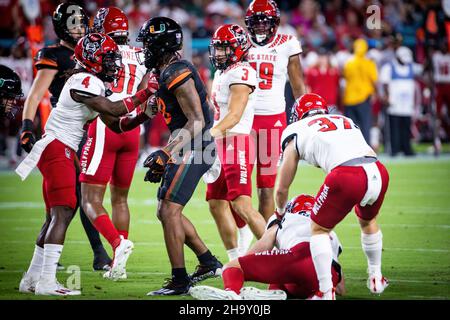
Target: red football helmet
(229, 45)
(300, 203)
(113, 22)
(262, 20)
(98, 54)
(307, 103)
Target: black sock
(180, 274)
(206, 258)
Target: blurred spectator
(360, 75)
(398, 82)
(441, 77)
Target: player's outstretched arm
(266, 242)
(189, 101)
(239, 94)
(286, 175)
(295, 73)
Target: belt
(359, 161)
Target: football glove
(151, 108)
(156, 163)
(152, 83)
(27, 139)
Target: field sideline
(415, 221)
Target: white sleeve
(293, 46)
(88, 83)
(385, 73)
(243, 74)
(288, 134)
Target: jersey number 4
(330, 125)
(119, 86)
(265, 74)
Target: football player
(274, 56)
(98, 61)
(233, 98)
(108, 156)
(10, 92)
(288, 268)
(355, 178)
(70, 23)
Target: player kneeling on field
(289, 268)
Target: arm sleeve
(289, 134)
(243, 74)
(46, 59)
(293, 46)
(87, 85)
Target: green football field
(415, 220)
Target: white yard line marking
(402, 280)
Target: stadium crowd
(327, 31)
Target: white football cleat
(211, 293)
(107, 275)
(53, 288)
(251, 293)
(329, 295)
(245, 237)
(121, 255)
(377, 284)
(28, 283)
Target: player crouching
(98, 61)
(289, 268)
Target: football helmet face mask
(229, 45)
(307, 105)
(98, 54)
(113, 22)
(159, 35)
(262, 20)
(301, 203)
(70, 22)
(10, 92)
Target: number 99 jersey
(326, 141)
(271, 62)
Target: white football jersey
(239, 73)
(326, 140)
(441, 66)
(66, 121)
(131, 76)
(296, 228)
(271, 62)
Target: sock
(180, 274)
(245, 237)
(52, 253)
(239, 221)
(372, 245)
(233, 279)
(35, 267)
(123, 233)
(105, 226)
(322, 255)
(233, 254)
(206, 258)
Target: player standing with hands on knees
(233, 98)
(98, 60)
(355, 178)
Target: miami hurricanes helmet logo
(162, 28)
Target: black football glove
(156, 163)
(27, 139)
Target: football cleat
(121, 255)
(203, 272)
(28, 283)
(211, 293)
(376, 284)
(108, 275)
(251, 293)
(329, 295)
(101, 262)
(172, 288)
(60, 267)
(53, 288)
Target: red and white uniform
(234, 150)
(329, 142)
(270, 62)
(55, 153)
(108, 156)
(290, 267)
(441, 72)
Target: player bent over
(289, 269)
(355, 178)
(233, 85)
(98, 61)
(110, 157)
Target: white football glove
(151, 109)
